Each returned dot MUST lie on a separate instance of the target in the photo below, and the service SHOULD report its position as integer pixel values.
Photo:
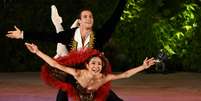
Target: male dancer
(82, 36)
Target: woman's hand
(148, 62)
(32, 47)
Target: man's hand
(16, 34)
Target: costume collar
(78, 39)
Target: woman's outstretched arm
(34, 49)
(146, 64)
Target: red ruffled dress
(56, 78)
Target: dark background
(34, 16)
(146, 27)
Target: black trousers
(62, 96)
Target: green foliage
(174, 32)
(151, 25)
(177, 32)
(134, 40)
(192, 60)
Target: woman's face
(95, 65)
(86, 19)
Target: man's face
(86, 19)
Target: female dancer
(91, 76)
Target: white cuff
(22, 35)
